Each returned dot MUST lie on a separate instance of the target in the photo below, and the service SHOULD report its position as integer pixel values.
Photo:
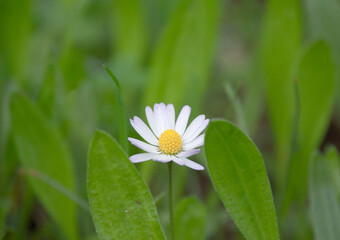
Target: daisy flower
(169, 140)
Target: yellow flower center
(170, 142)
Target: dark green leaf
(239, 176)
(121, 204)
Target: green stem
(171, 202)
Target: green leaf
(47, 93)
(5, 204)
(16, 28)
(123, 130)
(281, 42)
(182, 59)
(325, 204)
(190, 220)
(239, 176)
(121, 204)
(323, 18)
(316, 82)
(130, 30)
(41, 148)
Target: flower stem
(171, 202)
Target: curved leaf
(316, 81)
(41, 148)
(279, 53)
(239, 176)
(121, 204)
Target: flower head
(169, 140)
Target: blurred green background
(270, 66)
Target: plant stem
(171, 202)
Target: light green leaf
(121, 204)
(182, 59)
(316, 82)
(325, 204)
(40, 147)
(281, 42)
(239, 176)
(130, 30)
(190, 220)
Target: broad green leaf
(41, 148)
(316, 83)
(323, 19)
(182, 58)
(324, 201)
(190, 220)
(121, 204)
(281, 42)
(238, 173)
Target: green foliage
(130, 30)
(316, 83)
(123, 133)
(41, 148)
(325, 203)
(239, 176)
(182, 59)
(15, 14)
(281, 42)
(121, 204)
(190, 220)
(323, 18)
(47, 93)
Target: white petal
(171, 116)
(192, 164)
(144, 146)
(152, 121)
(141, 157)
(193, 127)
(197, 142)
(188, 153)
(198, 132)
(182, 120)
(177, 160)
(159, 117)
(162, 158)
(165, 118)
(143, 130)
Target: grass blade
(123, 131)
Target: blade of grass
(123, 131)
